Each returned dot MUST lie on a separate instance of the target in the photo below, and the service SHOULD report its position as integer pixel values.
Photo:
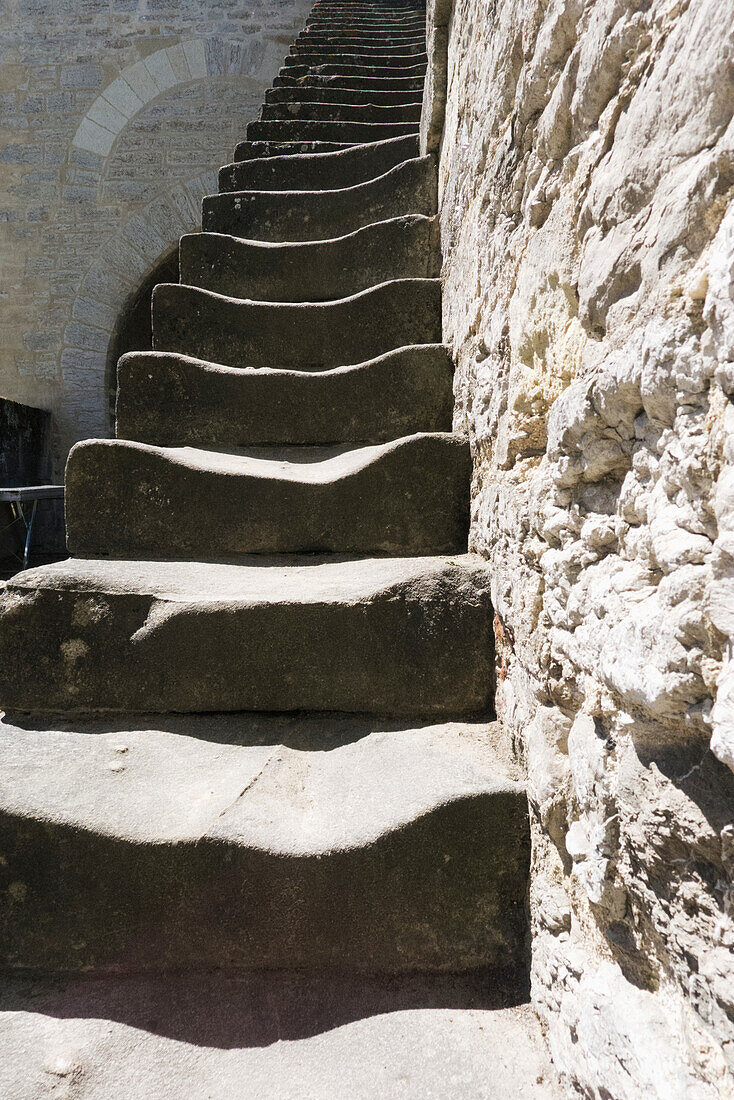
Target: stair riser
(174, 401)
(317, 172)
(409, 188)
(344, 132)
(374, 59)
(342, 95)
(366, 26)
(261, 150)
(358, 49)
(439, 894)
(344, 69)
(412, 500)
(299, 337)
(319, 40)
(358, 83)
(422, 647)
(345, 112)
(324, 271)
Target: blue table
(28, 494)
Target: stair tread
(178, 780)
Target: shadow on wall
(132, 331)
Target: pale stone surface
(270, 1036)
(587, 166)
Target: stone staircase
(245, 723)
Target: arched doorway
(132, 330)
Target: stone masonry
(112, 116)
(587, 227)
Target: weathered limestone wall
(587, 211)
(114, 115)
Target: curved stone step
(366, 26)
(406, 497)
(395, 38)
(344, 69)
(342, 95)
(358, 83)
(328, 171)
(316, 271)
(260, 150)
(397, 635)
(388, 47)
(407, 850)
(300, 336)
(409, 188)
(340, 112)
(344, 132)
(372, 59)
(175, 400)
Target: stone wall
(587, 183)
(114, 116)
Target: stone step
(315, 58)
(366, 25)
(340, 112)
(404, 498)
(396, 39)
(252, 150)
(174, 400)
(318, 271)
(301, 336)
(344, 132)
(397, 636)
(147, 846)
(336, 94)
(328, 171)
(345, 69)
(289, 1035)
(358, 83)
(389, 49)
(408, 188)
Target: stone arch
(138, 84)
(128, 259)
(132, 330)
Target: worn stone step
(366, 25)
(358, 83)
(408, 188)
(297, 130)
(396, 39)
(397, 635)
(336, 94)
(328, 171)
(289, 1035)
(175, 400)
(406, 497)
(340, 112)
(257, 150)
(405, 850)
(388, 48)
(301, 336)
(315, 271)
(314, 58)
(345, 69)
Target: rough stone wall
(587, 187)
(114, 115)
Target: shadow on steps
(257, 1008)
